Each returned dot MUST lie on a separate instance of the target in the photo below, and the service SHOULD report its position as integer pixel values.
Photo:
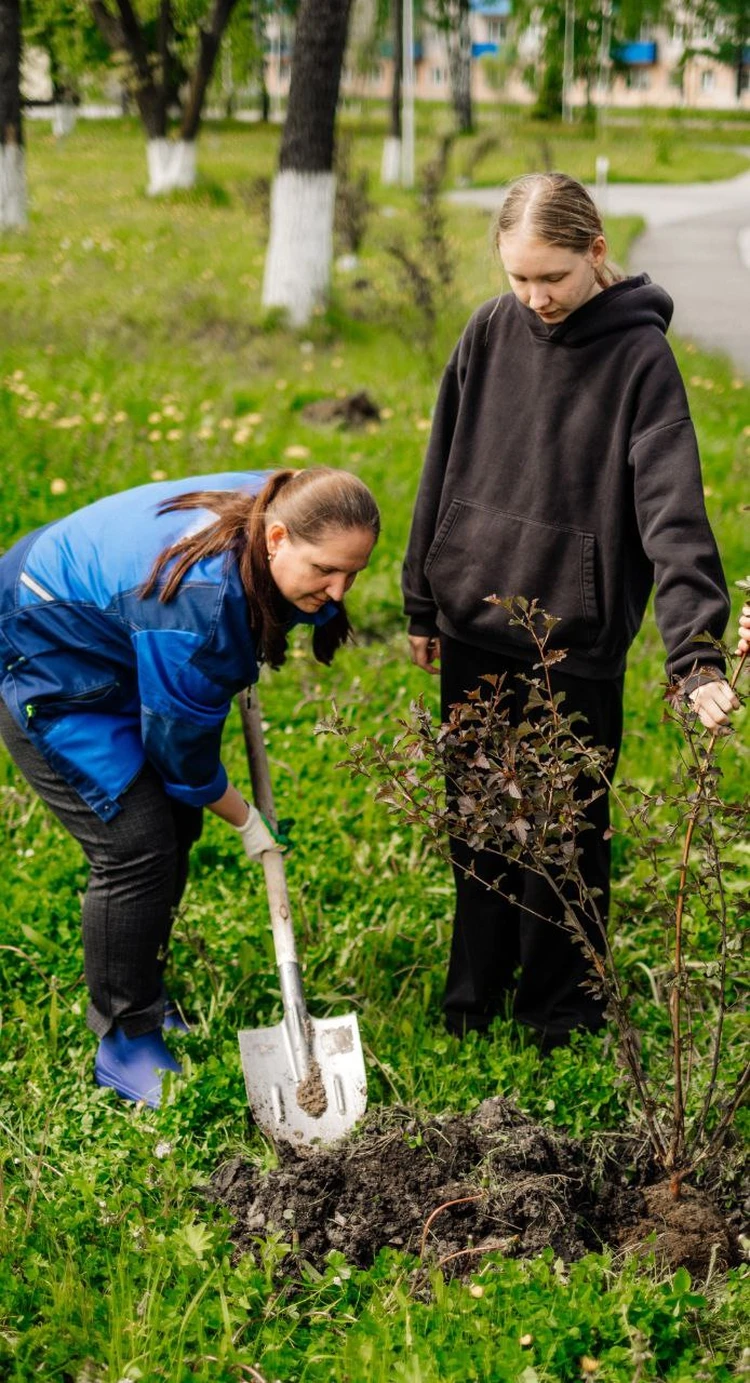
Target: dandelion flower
(58, 486)
(205, 433)
(281, 384)
(226, 423)
(174, 434)
(119, 416)
(423, 424)
(158, 475)
(297, 453)
(386, 412)
(154, 417)
(99, 418)
(154, 436)
(241, 435)
(206, 406)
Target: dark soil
(516, 1187)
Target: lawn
(133, 345)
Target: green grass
(653, 146)
(114, 310)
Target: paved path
(696, 245)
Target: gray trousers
(139, 865)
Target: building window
(708, 79)
(438, 76)
(745, 79)
(496, 30)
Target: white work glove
(257, 835)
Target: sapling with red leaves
(521, 792)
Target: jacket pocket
(480, 551)
(46, 706)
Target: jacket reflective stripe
(34, 586)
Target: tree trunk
(398, 66)
(300, 247)
(458, 38)
(390, 168)
(122, 33)
(171, 163)
(259, 29)
(210, 42)
(12, 165)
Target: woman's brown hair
(557, 210)
(310, 504)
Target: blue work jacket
(101, 680)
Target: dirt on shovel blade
(519, 1188)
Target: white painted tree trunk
(171, 165)
(63, 119)
(12, 187)
(300, 245)
(390, 168)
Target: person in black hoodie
(562, 465)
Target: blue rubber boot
(133, 1066)
(174, 1019)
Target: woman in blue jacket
(125, 631)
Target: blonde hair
(309, 503)
(557, 210)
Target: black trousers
(139, 866)
(504, 959)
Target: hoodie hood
(633, 302)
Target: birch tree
(156, 56)
(12, 164)
(452, 19)
(300, 247)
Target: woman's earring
(271, 556)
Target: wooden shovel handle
(257, 758)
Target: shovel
(305, 1078)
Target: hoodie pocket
(480, 551)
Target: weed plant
(132, 345)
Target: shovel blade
(274, 1089)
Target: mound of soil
(353, 411)
(688, 1232)
(455, 1187)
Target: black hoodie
(563, 465)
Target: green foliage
(66, 32)
(132, 343)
